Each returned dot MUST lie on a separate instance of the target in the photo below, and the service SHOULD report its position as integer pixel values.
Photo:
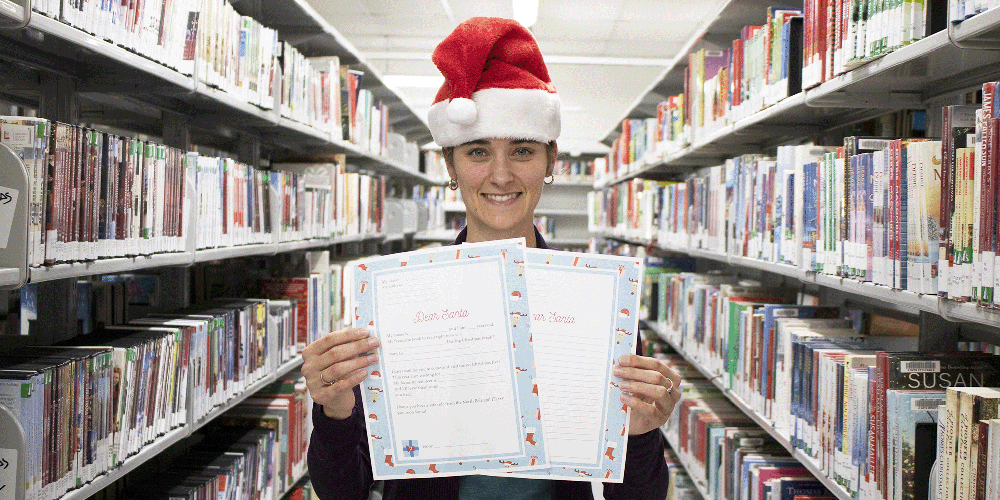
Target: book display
(790, 187)
(258, 160)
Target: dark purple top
(340, 467)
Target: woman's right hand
(334, 364)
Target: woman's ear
(449, 163)
(552, 149)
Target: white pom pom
(462, 111)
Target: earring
(453, 184)
(549, 179)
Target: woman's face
(501, 181)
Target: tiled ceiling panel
(397, 37)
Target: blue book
(912, 427)
(809, 227)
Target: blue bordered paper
(587, 290)
(416, 301)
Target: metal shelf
(441, 235)
(568, 242)
(358, 237)
(900, 300)
(210, 254)
(389, 238)
(580, 184)
(108, 266)
(173, 437)
(9, 277)
(797, 454)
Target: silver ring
(670, 389)
(327, 382)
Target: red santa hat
(496, 86)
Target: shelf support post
(177, 130)
(58, 100)
(937, 334)
(248, 149)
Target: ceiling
(601, 54)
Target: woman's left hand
(650, 389)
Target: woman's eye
(477, 153)
(523, 151)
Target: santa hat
(496, 85)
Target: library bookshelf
(75, 77)
(935, 71)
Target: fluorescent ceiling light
(549, 59)
(526, 12)
(413, 81)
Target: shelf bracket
(975, 44)
(248, 149)
(866, 100)
(59, 100)
(9, 9)
(176, 131)
(937, 334)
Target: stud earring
(453, 185)
(549, 179)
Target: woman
(497, 119)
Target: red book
(291, 288)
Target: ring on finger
(325, 381)
(670, 389)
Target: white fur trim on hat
(530, 114)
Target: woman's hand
(333, 365)
(650, 389)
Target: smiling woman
(496, 118)
(501, 182)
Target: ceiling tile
(575, 10)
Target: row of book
(911, 214)
(793, 50)
(255, 451)
(164, 31)
(726, 452)
(850, 393)
(95, 195)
